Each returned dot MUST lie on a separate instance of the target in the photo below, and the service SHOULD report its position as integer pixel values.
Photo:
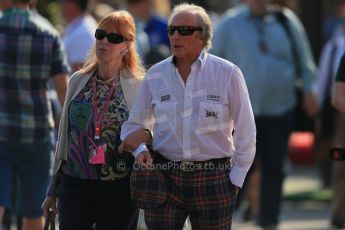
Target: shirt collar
(201, 59)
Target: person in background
(78, 35)
(30, 54)
(100, 9)
(332, 21)
(52, 95)
(90, 180)
(193, 101)
(338, 95)
(328, 116)
(53, 98)
(251, 36)
(338, 101)
(154, 27)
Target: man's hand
(144, 159)
(132, 141)
(49, 204)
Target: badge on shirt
(97, 152)
(211, 113)
(211, 97)
(99, 158)
(165, 98)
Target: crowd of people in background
(264, 39)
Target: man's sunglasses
(183, 30)
(112, 37)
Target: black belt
(192, 166)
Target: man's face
(185, 46)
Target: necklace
(117, 75)
(112, 78)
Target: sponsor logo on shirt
(211, 114)
(165, 98)
(211, 97)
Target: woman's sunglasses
(183, 30)
(112, 37)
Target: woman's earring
(124, 52)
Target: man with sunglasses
(192, 102)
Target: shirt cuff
(237, 176)
(141, 148)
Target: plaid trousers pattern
(208, 197)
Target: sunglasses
(112, 37)
(183, 30)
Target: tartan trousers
(208, 197)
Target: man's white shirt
(195, 120)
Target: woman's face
(109, 45)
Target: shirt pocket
(165, 114)
(212, 117)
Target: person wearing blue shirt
(251, 36)
(156, 28)
(152, 25)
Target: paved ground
(297, 216)
(302, 214)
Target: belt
(192, 166)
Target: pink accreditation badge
(97, 155)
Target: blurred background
(316, 15)
(308, 187)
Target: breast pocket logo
(165, 98)
(211, 114)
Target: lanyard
(98, 117)
(93, 143)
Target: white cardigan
(77, 82)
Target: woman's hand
(49, 203)
(144, 159)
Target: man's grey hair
(204, 20)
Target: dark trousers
(208, 197)
(83, 203)
(271, 152)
